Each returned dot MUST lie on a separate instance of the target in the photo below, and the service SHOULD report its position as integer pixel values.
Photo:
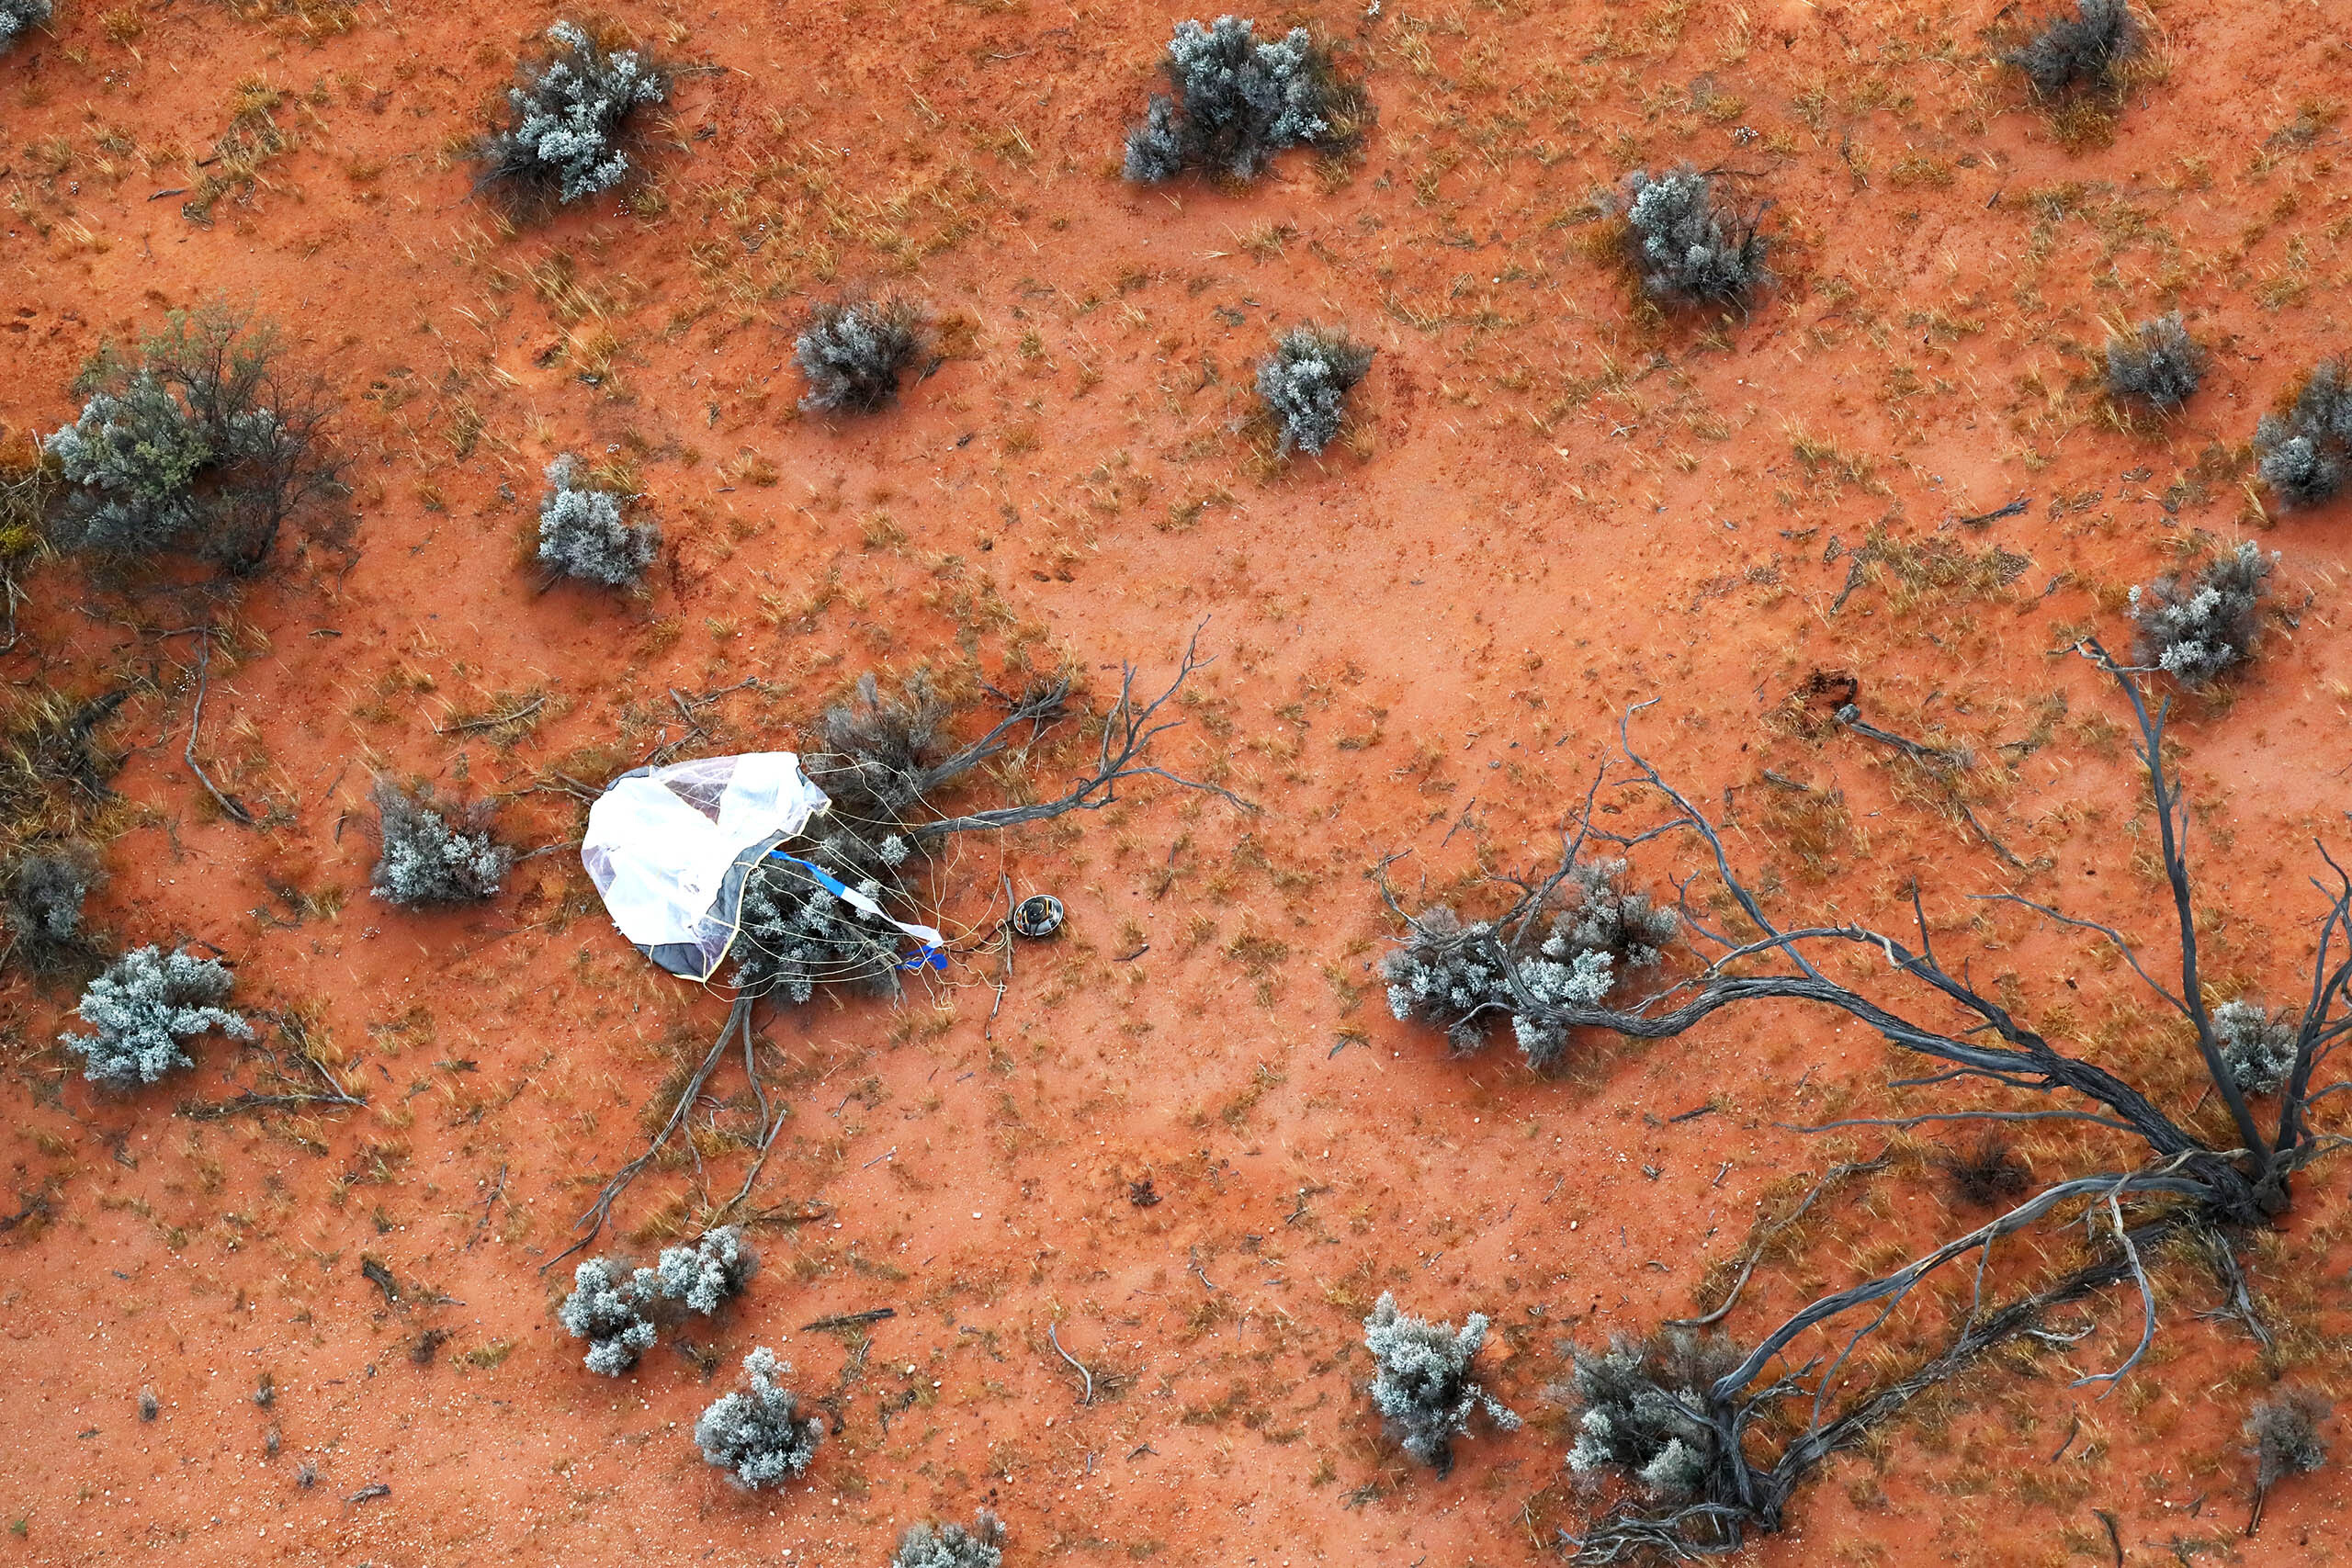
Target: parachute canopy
(669, 848)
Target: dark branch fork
(2183, 1186)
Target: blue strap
(926, 954)
(825, 879)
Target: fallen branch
(850, 1320)
(235, 810)
(1087, 1396)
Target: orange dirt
(1553, 504)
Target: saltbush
(2284, 1433)
(41, 893)
(17, 17)
(854, 350)
(2084, 48)
(2302, 454)
(145, 1003)
(2258, 1049)
(707, 1274)
(567, 115)
(2199, 629)
(1689, 243)
(434, 851)
(606, 1308)
(1638, 1404)
(2157, 364)
(1462, 976)
(757, 1434)
(1306, 382)
(202, 443)
(582, 532)
(1238, 102)
(953, 1546)
(1422, 1384)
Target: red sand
(1550, 509)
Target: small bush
(1638, 1404)
(607, 1310)
(2284, 1432)
(2159, 364)
(42, 894)
(2258, 1050)
(2084, 48)
(854, 351)
(758, 1434)
(1985, 1171)
(2198, 630)
(567, 115)
(2302, 454)
(1460, 977)
(142, 1006)
(582, 533)
(19, 17)
(1422, 1382)
(707, 1274)
(953, 1546)
(1306, 382)
(1237, 103)
(1689, 243)
(201, 445)
(435, 852)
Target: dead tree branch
(2182, 1184)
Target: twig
(2014, 509)
(490, 1203)
(1087, 1397)
(493, 720)
(237, 813)
(1194, 1253)
(850, 1320)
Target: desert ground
(1130, 1192)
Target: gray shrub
(854, 350)
(953, 1546)
(606, 1308)
(19, 17)
(1461, 978)
(2284, 1433)
(1422, 1384)
(2078, 48)
(200, 443)
(2157, 364)
(707, 1274)
(2199, 629)
(2302, 454)
(433, 851)
(140, 1010)
(757, 1434)
(1690, 243)
(1306, 382)
(1639, 1406)
(42, 894)
(1238, 102)
(567, 116)
(582, 532)
(2258, 1049)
